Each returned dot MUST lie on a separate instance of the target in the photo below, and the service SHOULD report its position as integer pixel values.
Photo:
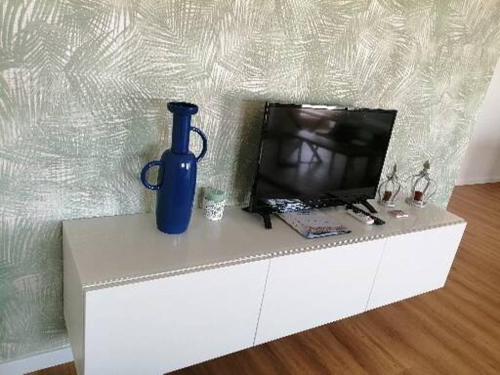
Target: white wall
(482, 159)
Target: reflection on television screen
(311, 153)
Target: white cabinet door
(318, 287)
(156, 326)
(415, 263)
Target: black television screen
(314, 152)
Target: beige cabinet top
(110, 251)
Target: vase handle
(204, 140)
(144, 177)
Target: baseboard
(36, 362)
(478, 180)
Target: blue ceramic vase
(177, 173)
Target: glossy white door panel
(310, 289)
(161, 325)
(415, 263)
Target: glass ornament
(423, 187)
(389, 189)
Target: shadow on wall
(160, 120)
(252, 115)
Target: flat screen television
(314, 153)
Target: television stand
(232, 277)
(364, 202)
(368, 206)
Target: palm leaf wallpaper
(83, 87)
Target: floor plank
(455, 330)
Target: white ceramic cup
(213, 204)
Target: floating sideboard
(137, 301)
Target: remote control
(359, 216)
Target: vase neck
(181, 125)
(180, 134)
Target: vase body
(176, 181)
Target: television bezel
(253, 206)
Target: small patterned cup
(213, 204)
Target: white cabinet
(318, 287)
(161, 325)
(415, 263)
(139, 302)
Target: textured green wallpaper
(83, 86)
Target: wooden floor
(455, 330)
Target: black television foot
(267, 221)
